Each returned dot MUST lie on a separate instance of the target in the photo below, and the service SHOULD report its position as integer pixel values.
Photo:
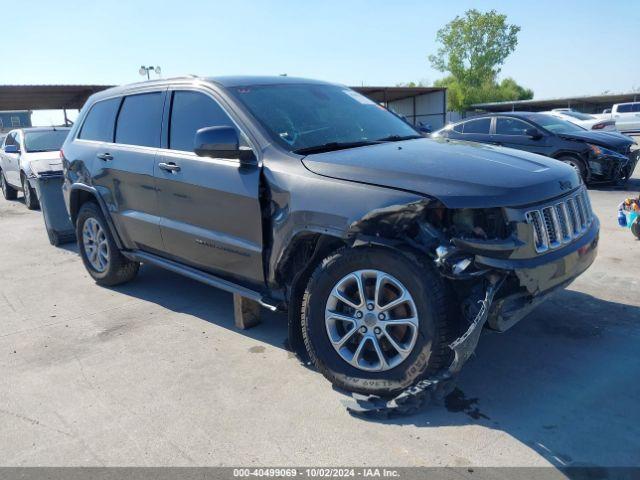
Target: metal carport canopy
(46, 97)
(58, 97)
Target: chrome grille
(562, 222)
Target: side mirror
(221, 142)
(424, 128)
(533, 133)
(11, 149)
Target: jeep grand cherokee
(389, 251)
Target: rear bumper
(539, 277)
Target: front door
(512, 132)
(11, 161)
(210, 211)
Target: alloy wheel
(26, 191)
(96, 246)
(371, 320)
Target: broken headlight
(486, 223)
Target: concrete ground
(154, 373)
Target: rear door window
(479, 126)
(100, 121)
(140, 120)
(511, 126)
(636, 107)
(191, 111)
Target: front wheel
(635, 228)
(100, 254)
(8, 192)
(578, 165)
(30, 196)
(374, 321)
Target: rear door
(123, 170)
(209, 207)
(512, 132)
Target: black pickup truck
(390, 251)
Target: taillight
(61, 154)
(598, 126)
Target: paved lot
(153, 373)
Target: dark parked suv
(597, 156)
(389, 251)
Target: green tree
(472, 50)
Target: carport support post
(246, 312)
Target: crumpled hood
(40, 162)
(459, 174)
(612, 140)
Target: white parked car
(584, 120)
(626, 116)
(26, 154)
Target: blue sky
(566, 47)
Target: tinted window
(100, 121)
(458, 127)
(625, 108)
(481, 125)
(191, 111)
(140, 120)
(10, 140)
(636, 107)
(510, 126)
(44, 141)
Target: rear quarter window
(100, 121)
(140, 120)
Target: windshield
(302, 117)
(554, 124)
(45, 140)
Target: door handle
(169, 167)
(105, 156)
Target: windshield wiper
(398, 138)
(332, 146)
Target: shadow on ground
(563, 381)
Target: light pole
(145, 71)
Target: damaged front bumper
(610, 166)
(532, 280)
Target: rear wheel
(30, 196)
(8, 192)
(100, 254)
(375, 322)
(578, 165)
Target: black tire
(578, 165)
(30, 195)
(8, 192)
(430, 353)
(635, 228)
(119, 269)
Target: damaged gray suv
(390, 251)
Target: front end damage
(494, 262)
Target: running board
(200, 276)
